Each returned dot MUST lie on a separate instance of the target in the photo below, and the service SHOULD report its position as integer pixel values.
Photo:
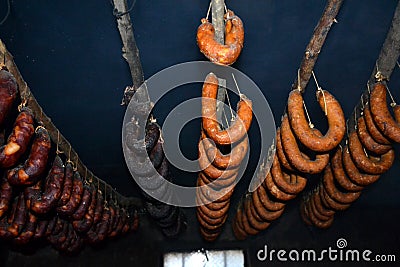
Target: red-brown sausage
(334, 192)
(296, 158)
(76, 196)
(238, 128)
(5, 195)
(366, 163)
(367, 141)
(306, 135)
(67, 186)
(42, 204)
(35, 165)
(354, 174)
(381, 115)
(372, 128)
(234, 38)
(340, 174)
(18, 140)
(281, 180)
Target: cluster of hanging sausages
(146, 156)
(290, 164)
(367, 154)
(223, 54)
(56, 204)
(216, 181)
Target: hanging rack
(55, 134)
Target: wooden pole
(130, 51)
(55, 134)
(315, 45)
(384, 66)
(217, 12)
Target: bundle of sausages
(59, 206)
(146, 156)
(290, 164)
(219, 171)
(368, 154)
(223, 54)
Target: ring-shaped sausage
(302, 130)
(224, 54)
(297, 159)
(389, 126)
(366, 163)
(238, 129)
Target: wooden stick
(55, 135)
(217, 11)
(384, 66)
(130, 51)
(315, 45)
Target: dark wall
(70, 55)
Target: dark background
(70, 55)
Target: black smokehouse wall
(70, 55)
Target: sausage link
(152, 135)
(219, 183)
(18, 140)
(238, 231)
(8, 93)
(369, 164)
(340, 174)
(334, 192)
(20, 217)
(263, 212)
(372, 128)
(83, 225)
(362, 179)
(41, 227)
(84, 204)
(237, 129)
(284, 184)
(6, 191)
(67, 186)
(246, 225)
(367, 141)
(209, 169)
(306, 135)
(314, 220)
(297, 159)
(275, 191)
(75, 199)
(214, 195)
(281, 154)
(99, 207)
(254, 223)
(319, 206)
(381, 114)
(35, 165)
(157, 154)
(213, 205)
(334, 205)
(262, 196)
(315, 211)
(224, 54)
(52, 191)
(231, 160)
